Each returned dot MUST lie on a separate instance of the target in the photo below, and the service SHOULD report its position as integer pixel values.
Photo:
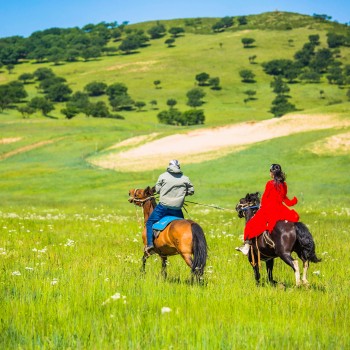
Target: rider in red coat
(273, 208)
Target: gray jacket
(173, 187)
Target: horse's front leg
(255, 268)
(144, 259)
(269, 269)
(164, 266)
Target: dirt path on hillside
(211, 143)
(27, 148)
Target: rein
(210, 206)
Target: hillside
(50, 152)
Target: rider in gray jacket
(172, 187)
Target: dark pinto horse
(286, 237)
(184, 237)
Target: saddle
(162, 224)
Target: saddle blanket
(164, 222)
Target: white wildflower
(54, 281)
(317, 273)
(70, 243)
(29, 268)
(16, 273)
(115, 296)
(165, 309)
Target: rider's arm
(287, 201)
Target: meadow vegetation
(70, 243)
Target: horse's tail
(200, 250)
(306, 242)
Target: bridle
(139, 201)
(242, 208)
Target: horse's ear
(150, 191)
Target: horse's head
(140, 196)
(248, 205)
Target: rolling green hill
(57, 173)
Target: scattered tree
(247, 42)
(42, 104)
(202, 78)
(214, 83)
(157, 31)
(171, 103)
(157, 83)
(95, 88)
(139, 105)
(70, 111)
(252, 59)
(247, 76)
(176, 31)
(195, 97)
(250, 95)
(154, 103)
(25, 77)
(26, 111)
(169, 42)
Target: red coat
(272, 209)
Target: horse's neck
(148, 208)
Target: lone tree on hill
(247, 42)
(157, 83)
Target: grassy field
(70, 243)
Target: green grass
(71, 265)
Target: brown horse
(184, 237)
(286, 237)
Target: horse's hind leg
(297, 272)
(269, 269)
(305, 268)
(188, 259)
(164, 265)
(287, 258)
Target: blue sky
(23, 17)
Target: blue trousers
(158, 213)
